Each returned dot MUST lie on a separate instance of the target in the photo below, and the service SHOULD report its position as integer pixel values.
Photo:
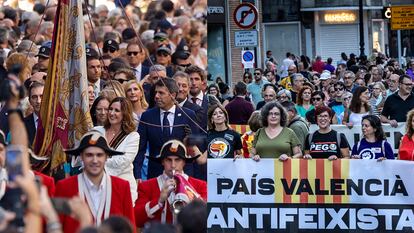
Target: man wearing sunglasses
(163, 57)
(111, 48)
(255, 88)
(181, 56)
(136, 56)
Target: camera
(5, 82)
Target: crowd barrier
(310, 195)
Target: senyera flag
(64, 114)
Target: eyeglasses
(257, 73)
(316, 99)
(132, 53)
(163, 54)
(291, 70)
(322, 116)
(339, 89)
(408, 84)
(111, 50)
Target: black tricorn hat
(93, 138)
(173, 148)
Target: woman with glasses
(275, 139)
(378, 96)
(373, 145)
(284, 95)
(358, 108)
(325, 143)
(120, 132)
(124, 75)
(317, 98)
(406, 150)
(135, 93)
(99, 110)
(304, 104)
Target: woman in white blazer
(120, 132)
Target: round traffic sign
(248, 56)
(245, 15)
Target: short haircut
(259, 69)
(118, 224)
(180, 74)
(289, 106)
(350, 73)
(321, 109)
(320, 93)
(169, 83)
(128, 73)
(157, 68)
(33, 85)
(240, 88)
(195, 69)
(402, 77)
(295, 76)
(265, 113)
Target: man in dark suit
(35, 99)
(94, 70)
(174, 122)
(183, 82)
(197, 85)
(135, 57)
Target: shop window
(280, 10)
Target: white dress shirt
(170, 116)
(95, 191)
(199, 97)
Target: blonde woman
(135, 93)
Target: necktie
(165, 130)
(194, 99)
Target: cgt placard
(310, 195)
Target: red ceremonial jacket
(47, 181)
(121, 202)
(148, 195)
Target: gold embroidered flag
(64, 114)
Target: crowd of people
(142, 167)
(279, 107)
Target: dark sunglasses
(163, 54)
(111, 50)
(132, 53)
(257, 73)
(185, 65)
(316, 99)
(339, 89)
(121, 80)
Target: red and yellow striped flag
(322, 170)
(64, 112)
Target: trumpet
(184, 193)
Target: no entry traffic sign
(245, 15)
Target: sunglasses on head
(132, 53)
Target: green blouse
(273, 148)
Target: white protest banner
(310, 195)
(354, 134)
